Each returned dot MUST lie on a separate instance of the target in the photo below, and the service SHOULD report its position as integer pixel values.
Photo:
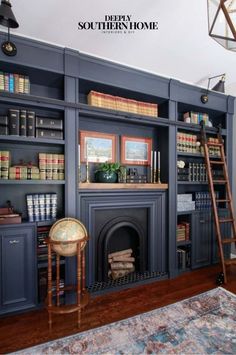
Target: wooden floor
(31, 328)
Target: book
(48, 133)
(14, 122)
(42, 165)
(23, 131)
(4, 131)
(30, 123)
(49, 123)
(3, 120)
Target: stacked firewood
(121, 263)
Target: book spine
(30, 123)
(61, 167)
(6, 82)
(2, 81)
(48, 166)
(14, 122)
(55, 168)
(23, 131)
(42, 166)
(11, 83)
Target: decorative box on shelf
(7, 216)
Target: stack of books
(48, 127)
(4, 164)
(197, 172)
(99, 99)
(15, 83)
(41, 207)
(183, 231)
(51, 166)
(196, 117)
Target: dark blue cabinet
(18, 268)
(202, 237)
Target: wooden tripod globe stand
(67, 238)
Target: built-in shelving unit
(60, 81)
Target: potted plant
(107, 172)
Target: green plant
(109, 167)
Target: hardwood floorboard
(31, 328)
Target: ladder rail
(215, 212)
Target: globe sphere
(66, 230)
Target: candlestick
(151, 168)
(87, 164)
(79, 168)
(159, 168)
(155, 160)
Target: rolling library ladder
(222, 240)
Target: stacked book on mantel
(121, 263)
(112, 102)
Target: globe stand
(81, 292)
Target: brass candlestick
(87, 172)
(151, 175)
(159, 176)
(155, 176)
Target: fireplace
(124, 220)
(122, 232)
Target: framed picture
(135, 150)
(97, 147)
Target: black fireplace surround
(123, 220)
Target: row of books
(183, 232)
(4, 164)
(99, 99)
(196, 117)
(184, 257)
(51, 166)
(189, 143)
(24, 172)
(26, 124)
(203, 200)
(15, 83)
(41, 207)
(197, 172)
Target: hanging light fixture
(220, 87)
(222, 22)
(8, 20)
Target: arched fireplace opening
(121, 234)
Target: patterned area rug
(204, 324)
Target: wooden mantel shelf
(117, 186)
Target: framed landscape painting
(136, 150)
(97, 147)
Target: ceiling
(180, 48)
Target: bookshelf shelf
(32, 140)
(195, 155)
(32, 182)
(118, 186)
(184, 242)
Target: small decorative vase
(103, 176)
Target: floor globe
(66, 230)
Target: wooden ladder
(227, 200)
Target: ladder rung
(214, 144)
(219, 181)
(228, 240)
(230, 261)
(218, 201)
(217, 162)
(225, 220)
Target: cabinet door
(201, 250)
(18, 268)
(225, 233)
